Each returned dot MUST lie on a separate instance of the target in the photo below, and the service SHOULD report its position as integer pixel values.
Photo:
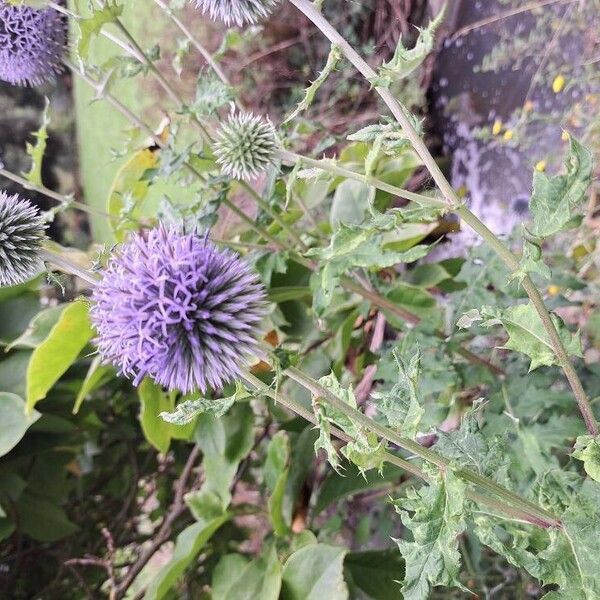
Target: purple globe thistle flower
(238, 12)
(173, 307)
(22, 231)
(32, 42)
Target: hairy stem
(67, 266)
(454, 204)
(511, 504)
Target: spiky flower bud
(238, 12)
(32, 42)
(173, 307)
(21, 236)
(245, 145)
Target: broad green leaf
(39, 328)
(58, 351)
(376, 573)
(42, 519)
(402, 405)
(587, 449)
(555, 199)
(15, 315)
(335, 55)
(14, 422)
(351, 203)
(154, 401)
(188, 545)
(528, 335)
(435, 516)
(315, 572)
(236, 578)
(276, 471)
(404, 61)
(36, 151)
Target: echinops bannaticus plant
(32, 43)
(174, 307)
(21, 236)
(245, 145)
(237, 12)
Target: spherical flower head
(245, 145)
(238, 12)
(21, 236)
(32, 43)
(174, 307)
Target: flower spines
(245, 145)
(176, 308)
(32, 43)
(237, 12)
(22, 231)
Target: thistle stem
(514, 506)
(415, 448)
(454, 204)
(324, 165)
(67, 266)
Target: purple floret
(174, 307)
(32, 42)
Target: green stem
(454, 204)
(67, 266)
(325, 165)
(415, 448)
(515, 506)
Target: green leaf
(276, 471)
(437, 519)
(351, 203)
(587, 449)
(211, 94)
(334, 57)
(404, 61)
(236, 578)
(531, 262)
(315, 572)
(153, 401)
(91, 26)
(42, 519)
(188, 545)
(39, 328)
(528, 335)
(402, 405)
(185, 412)
(97, 375)
(376, 573)
(14, 422)
(555, 199)
(58, 351)
(36, 151)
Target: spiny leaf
(335, 54)
(90, 26)
(211, 94)
(528, 335)
(186, 411)
(531, 262)
(555, 199)
(402, 405)
(404, 61)
(587, 449)
(437, 519)
(36, 151)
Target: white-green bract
(245, 145)
(21, 236)
(237, 12)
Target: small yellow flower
(558, 84)
(540, 166)
(508, 135)
(553, 290)
(497, 127)
(565, 136)
(528, 106)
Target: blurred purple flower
(32, 43)
(174, 307)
